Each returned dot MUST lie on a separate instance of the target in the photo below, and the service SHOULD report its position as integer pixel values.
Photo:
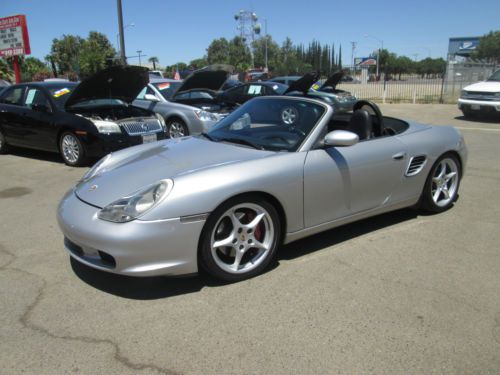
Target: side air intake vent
(416, 165)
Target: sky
(180, 31)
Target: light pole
(120, 32)
(381, 48)
(132, 24)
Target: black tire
(72, 150)
(467, 113)
(176, 128)
(4, 147)
(217, 261)
(428, 200)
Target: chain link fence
(417, 89)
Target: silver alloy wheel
(444, 182)
(242, 238)
(289, 115)
(70, 148)
(176, 130)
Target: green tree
(6, 71)
(239, 55)
(154, 60)
(65, 53)
(96, 53)
(199, 63)
(218, 51)
(259, 52)
(489, 47)
(31, 66)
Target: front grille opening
(106, 259)
(73, 247)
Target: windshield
(60, 93)
(167, 89)
(275, 124)
(280, 88)
(495, 76)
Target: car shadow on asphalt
(149, 288)
(36, 154)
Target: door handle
(399, 156)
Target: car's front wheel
(176, 128)
(4, 147)
(441, 186)
(72, 150)
(240, 239)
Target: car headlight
(96, 168)
(497, 95)
(463, 94)
(131, 207)
(205, 116)
(161, 120)
(107, 127)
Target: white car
(481, 97)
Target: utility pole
(353, 45)
(139, 54)
(120, 32)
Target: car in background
(342, 101)
(79, 121)
(240, 94)
(277, 169)
(481, 97)
(201, 89)
(180, 119)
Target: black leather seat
(361, 124)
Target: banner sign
(14, 38)
(365, 61)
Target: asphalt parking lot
(401, 293)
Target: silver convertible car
(275, 170)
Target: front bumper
(136, 248)
(478, 105)
(98, 145)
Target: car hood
(486, 86)
(332, 81)
(118, 82)
(211, 77)
(303, 84)
(134, 168)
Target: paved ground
(397, 294)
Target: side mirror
(40, 108)
(151, 97)
(341, 138)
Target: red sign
(14, 38)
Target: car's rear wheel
(240, 239)
(72, 150)
(441, 186)
(4, 147)
(176, 128)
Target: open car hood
(211, 77)
(332, 81)
(118, 82)
(303, 84)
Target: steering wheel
(379, 126)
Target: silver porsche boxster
(275, 170)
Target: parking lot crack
(26, 322)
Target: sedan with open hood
(79, 121)
(277, 169)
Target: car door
(343, 181)
(142, 102)
(12, 113)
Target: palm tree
(153, 60)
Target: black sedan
(79, 121)
(240, 94)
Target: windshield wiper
(241, 142)
(206, 135)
